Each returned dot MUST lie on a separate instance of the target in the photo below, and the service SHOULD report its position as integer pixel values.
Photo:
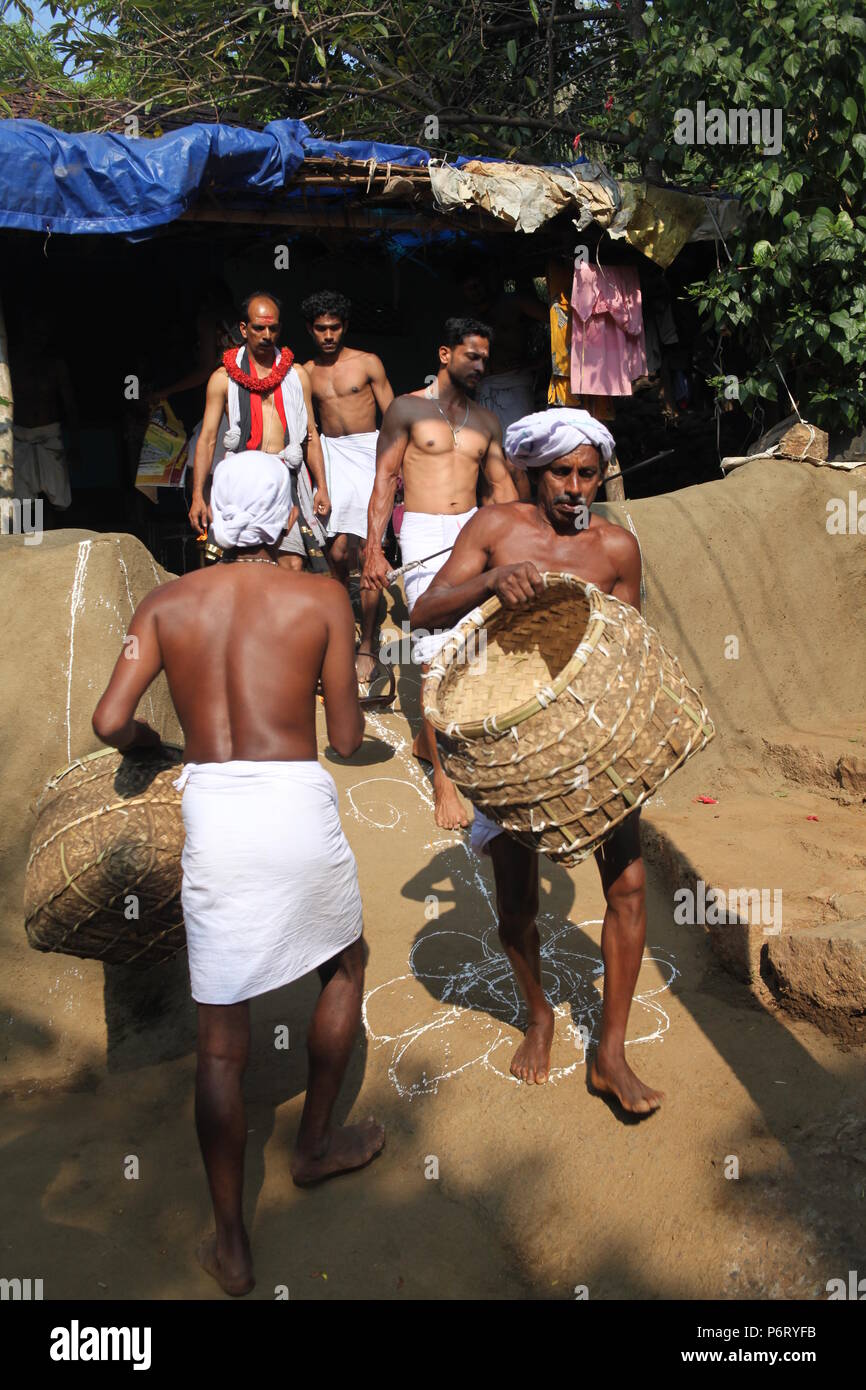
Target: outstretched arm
(138, 665)
(393, 438)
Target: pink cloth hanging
(608, 347)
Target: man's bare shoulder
(501, 518)
(613, 535)
(302, 373)
(487, 420)
(219, 378)
(308, 366)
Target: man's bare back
(343, 391)
(243, 646)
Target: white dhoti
(422, 534)
(350, 471)
(39, 461)
(482, 831)
(270, 888)
(509, 395)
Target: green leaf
(532, 85)
(849, 110)
(320, 55)
(511, 50)
(859, 144)
(533, 9)
(281, 35)
(775, 201)
(793, 183)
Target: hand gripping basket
(567, 715)
(103, 878)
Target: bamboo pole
(7, 475)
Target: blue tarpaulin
(53, 180)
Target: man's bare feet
(616, 1078)
(531, 1061)
(234, 1277)
(348, 1148)
(448, 810)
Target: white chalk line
(76, 602)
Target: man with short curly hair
(347, 385)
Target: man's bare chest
(340, 384)
(582, 554)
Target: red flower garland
(261, 384)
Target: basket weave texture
(574, 718)
(107, 845)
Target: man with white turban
(270, 887)
(503, 551)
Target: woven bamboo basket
(103, 878)
(575, 717)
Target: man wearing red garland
(265, 396)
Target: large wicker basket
(103, 878)
(575, 717)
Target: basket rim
(477, 728)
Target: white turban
(251, 499)
(548, 434)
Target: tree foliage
(527, 78)
(794, 290)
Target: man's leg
(322, 1151)
(515, 869)
(366, 665)
(448, 810)
(622, 941)
(223, 1048)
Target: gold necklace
(253, 560)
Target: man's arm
(382, 389)
(393, 438)
(627, 554)
(499, 484)
(138, 665)
(343, 715)
(313, 450)
(215, 404)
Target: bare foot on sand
(448, 809)
(617, 1079)
(350, 1147)
(531, 1061)
(233, 1276)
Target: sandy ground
(751, 1181)
(539, 1191)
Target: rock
(820, 975)
(851, 772)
